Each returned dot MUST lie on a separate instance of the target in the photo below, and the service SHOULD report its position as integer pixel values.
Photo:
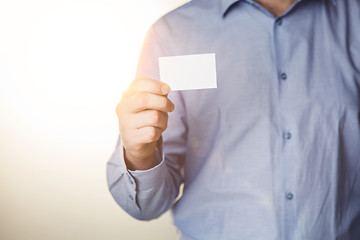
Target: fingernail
(165, 89)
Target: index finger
(147, 85)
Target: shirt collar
(226, 4)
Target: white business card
(188, 72)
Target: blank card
(188, 72)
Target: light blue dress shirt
(274, 151)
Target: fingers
(150, 118)
(149, 134)
(141, 101)
(147, 85)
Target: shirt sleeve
(149, 193)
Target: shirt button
(131, 197)
(287, 135)
(283, 76)
(130, 180)
(279, 21)
(289, 196)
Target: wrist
(142, 163)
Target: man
(274, 151)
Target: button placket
(283, 77)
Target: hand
(143, 115)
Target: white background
(63, 66)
